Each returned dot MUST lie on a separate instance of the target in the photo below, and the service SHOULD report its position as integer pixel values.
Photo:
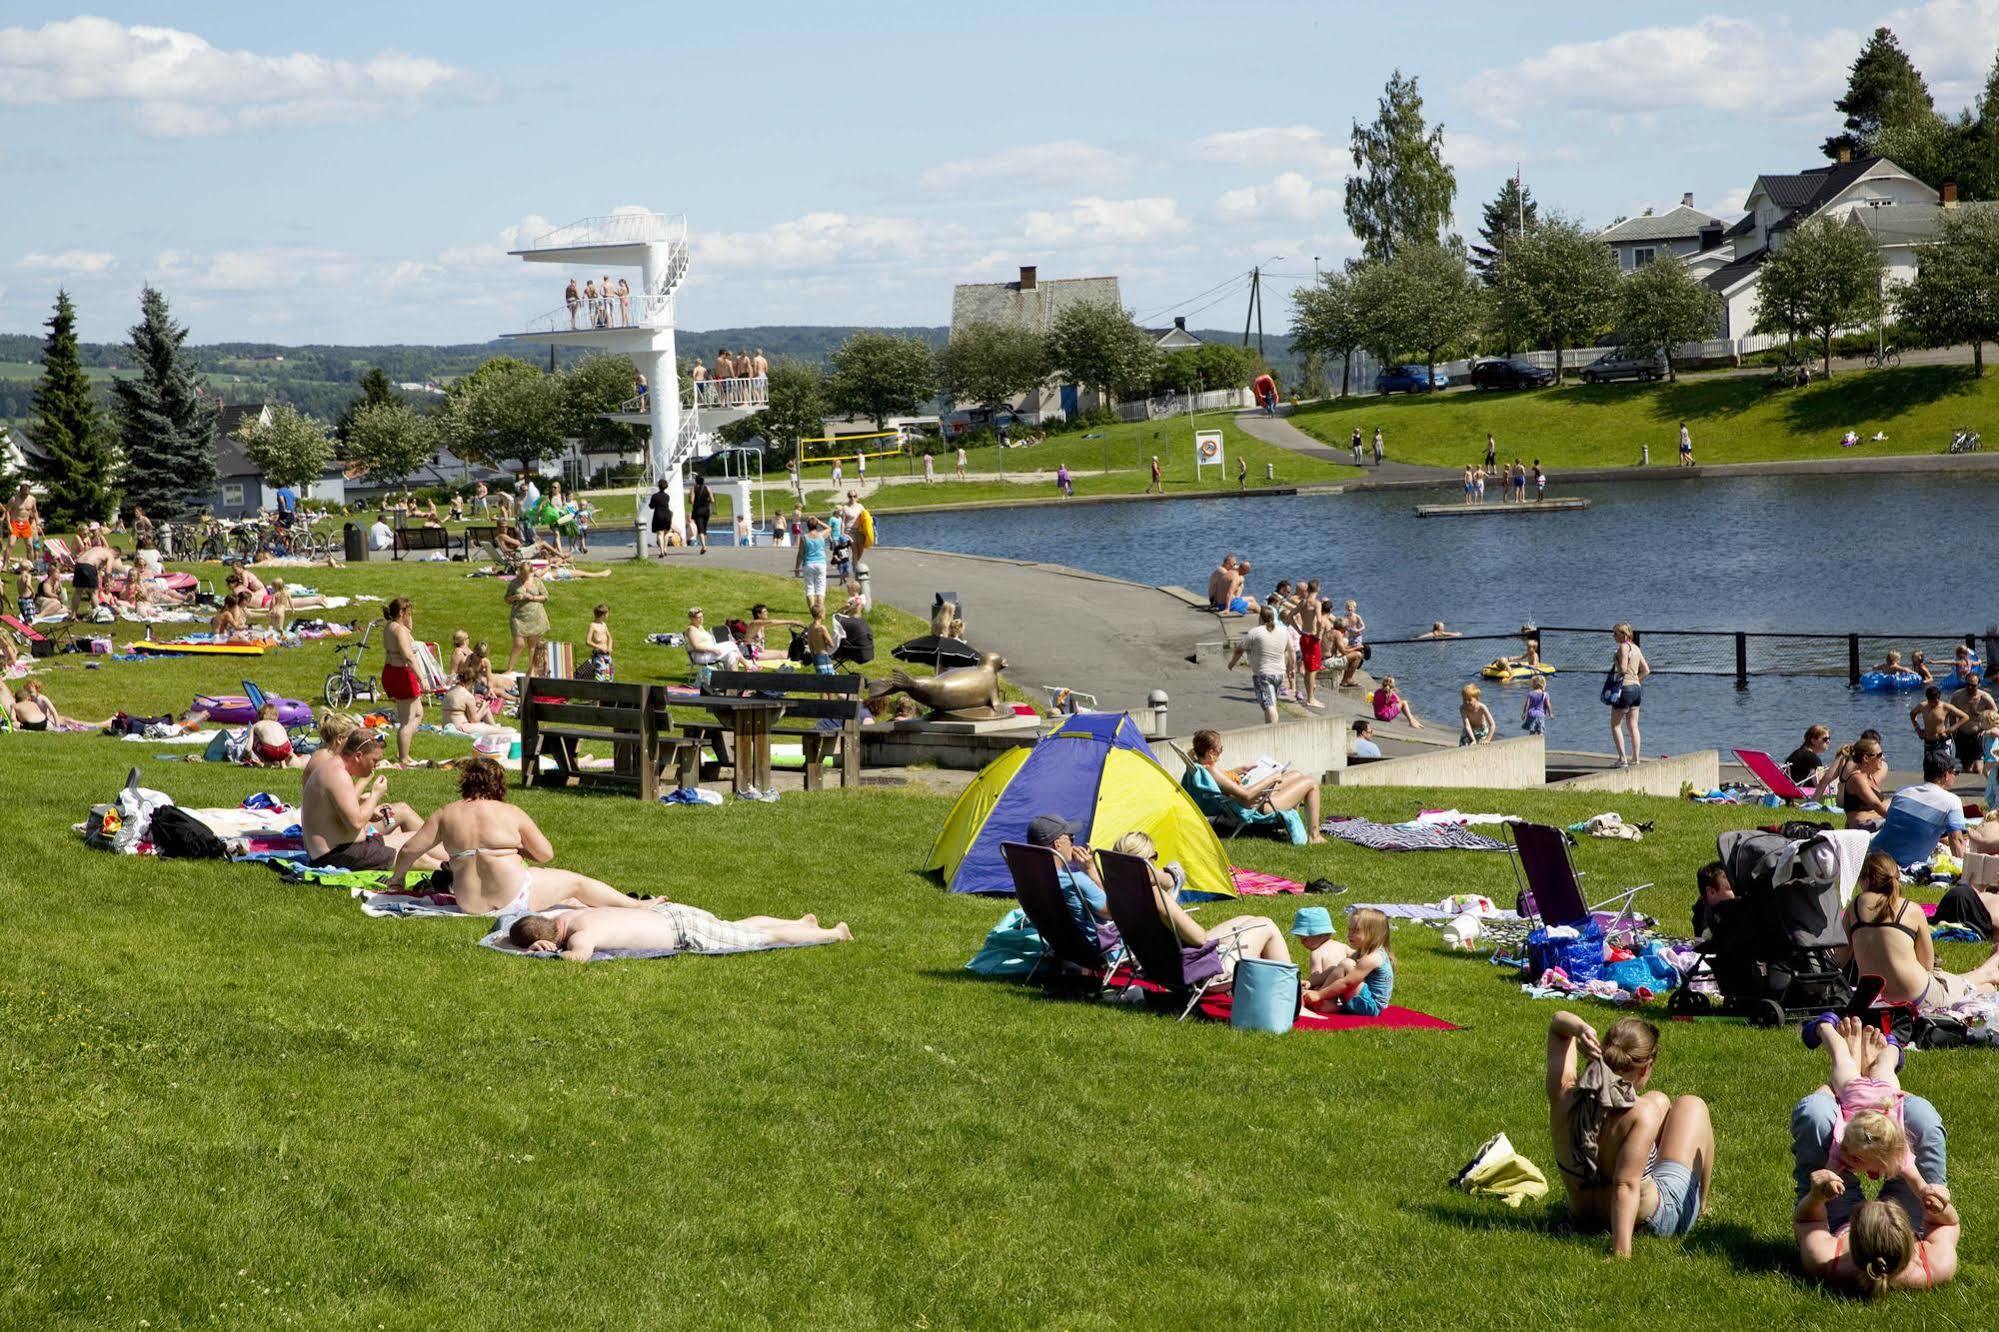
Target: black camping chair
(1038, 888)
(1552, 890)
(1185, 973)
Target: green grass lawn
(1733, 418)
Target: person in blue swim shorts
(1628, 1156)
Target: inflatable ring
(1494, 670)
(1211, 449)
(1890, 682)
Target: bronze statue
(965, 693)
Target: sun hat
(1044, 829)
(1312, 920)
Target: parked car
(1510, 374)
(1409, 379)
(1626, 363)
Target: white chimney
(1687, 200)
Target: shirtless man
(1221, 584)
(1311, 621)
(23, 520)
(1338, 646)
(95, 563)
(350, 826)
(577, 935)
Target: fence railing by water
(1741, 654)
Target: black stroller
(1771, 950)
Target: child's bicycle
(348, 683)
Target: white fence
(1179, 404)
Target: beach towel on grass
(497, 941)
(1402, 837)
(1428, 911)
(1219, 1006)
(1255, 883)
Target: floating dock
(1477, 510)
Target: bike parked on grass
(348, 682)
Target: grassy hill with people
(1733, 418)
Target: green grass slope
(1733, 418)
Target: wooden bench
(423, 538)
(631, 718)
(810, 701)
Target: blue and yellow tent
(1094, 769)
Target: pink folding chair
(1769, 772)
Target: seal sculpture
(965, 693)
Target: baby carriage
(1770, 951)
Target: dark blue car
(1409, 379)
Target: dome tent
(1094, 769)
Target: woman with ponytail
(1879, 1249)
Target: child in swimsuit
(1364, 982)
(1869, 1135)
(1537, 708)
(1475, 718)
(598, 639)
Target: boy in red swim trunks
(1311, 623)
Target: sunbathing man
(349, 826)
(577, 935)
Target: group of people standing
(600, 303)
(1511, 478)
(739, 380)
(1298, 633)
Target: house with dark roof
(1033, 302)
(240, 487)
(1176, 338)
(1673, 234)
(1898, 210)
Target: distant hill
(322, 379)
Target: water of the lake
(1893, 557)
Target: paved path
(1280, 432)
(1061, 626)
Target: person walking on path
(1378, 450)
(1154, 484)
(702, 507)
(929, 470)
(961, 462)
(661, 504)
(1356, 447)
(1265, 389)
(1686, 446)
(527, 614)
(1062, 481)
(1265, 646)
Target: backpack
(179, 835)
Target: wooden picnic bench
(751, 706)
(632, 718)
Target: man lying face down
(668, 926)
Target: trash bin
(356, 544)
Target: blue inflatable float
(1890, 682)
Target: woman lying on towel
(1627, 1155)
(36, 711)
(665, 927)
(489, 845)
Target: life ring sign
(1207, 449)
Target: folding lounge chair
(1228, 817)
(1552, 890)
(1769, 772)
(1183, 972)
(1038, 888)
(38, 643)
(57, 552)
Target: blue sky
(355, 172)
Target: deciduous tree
(988, 364)
(1095, 343)
(1662, 305)
(1426, 302)
(166, 426)
(1330, 320)
(1558, 285)
(879, 375)
(796, 410)
(76, 463)
(1954, 298)
(504, 409)
(1402, 190)
(1825, 278)
(598, 385)
(290, 449)
(392, 440)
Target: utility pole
(1255, 310)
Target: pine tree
(76, 461)
(1402, 190)
(167, 427)
(1884, 89)
(1505, 217)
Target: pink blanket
(1255, 883)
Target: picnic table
(749, 720)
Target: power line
(1230, 282)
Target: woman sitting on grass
(464, 709)
(1275, 794)
(490, 844)
(1627, 1155)
(1855, 773)
(1889, 937)
(34, 710)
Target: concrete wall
(1660, 777)
(1506, 764)
(1309, 744)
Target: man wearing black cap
(1081, 887)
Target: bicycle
(1886, 358)
(347, 683)
(1964, 441)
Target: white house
(1176, 338)
(1033, 303)
(240, 487)
(1900, 212)
(1675, 233)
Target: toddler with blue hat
(1357, 976)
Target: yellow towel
(1499, 1170)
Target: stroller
(1771, 951)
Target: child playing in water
(1869, 1136)
(1475, 718)
(1537, 708)
(598, 639)
(1357, 978)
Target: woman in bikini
(36, 711)
(1628, 1156)
(1629, 667)
(1878, 1250)
(498, 857)
(399, 677)
(1858, 771)
(1889, 937)
(464, 709)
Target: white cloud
(1951, 41)
(1300, 147)
(1718, 64)
(1061, 163)
(1473, 152)
(1095, 221)
(1290, 195)
(824, 238)
(88, 262)
(179, 85)
(262, 269)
